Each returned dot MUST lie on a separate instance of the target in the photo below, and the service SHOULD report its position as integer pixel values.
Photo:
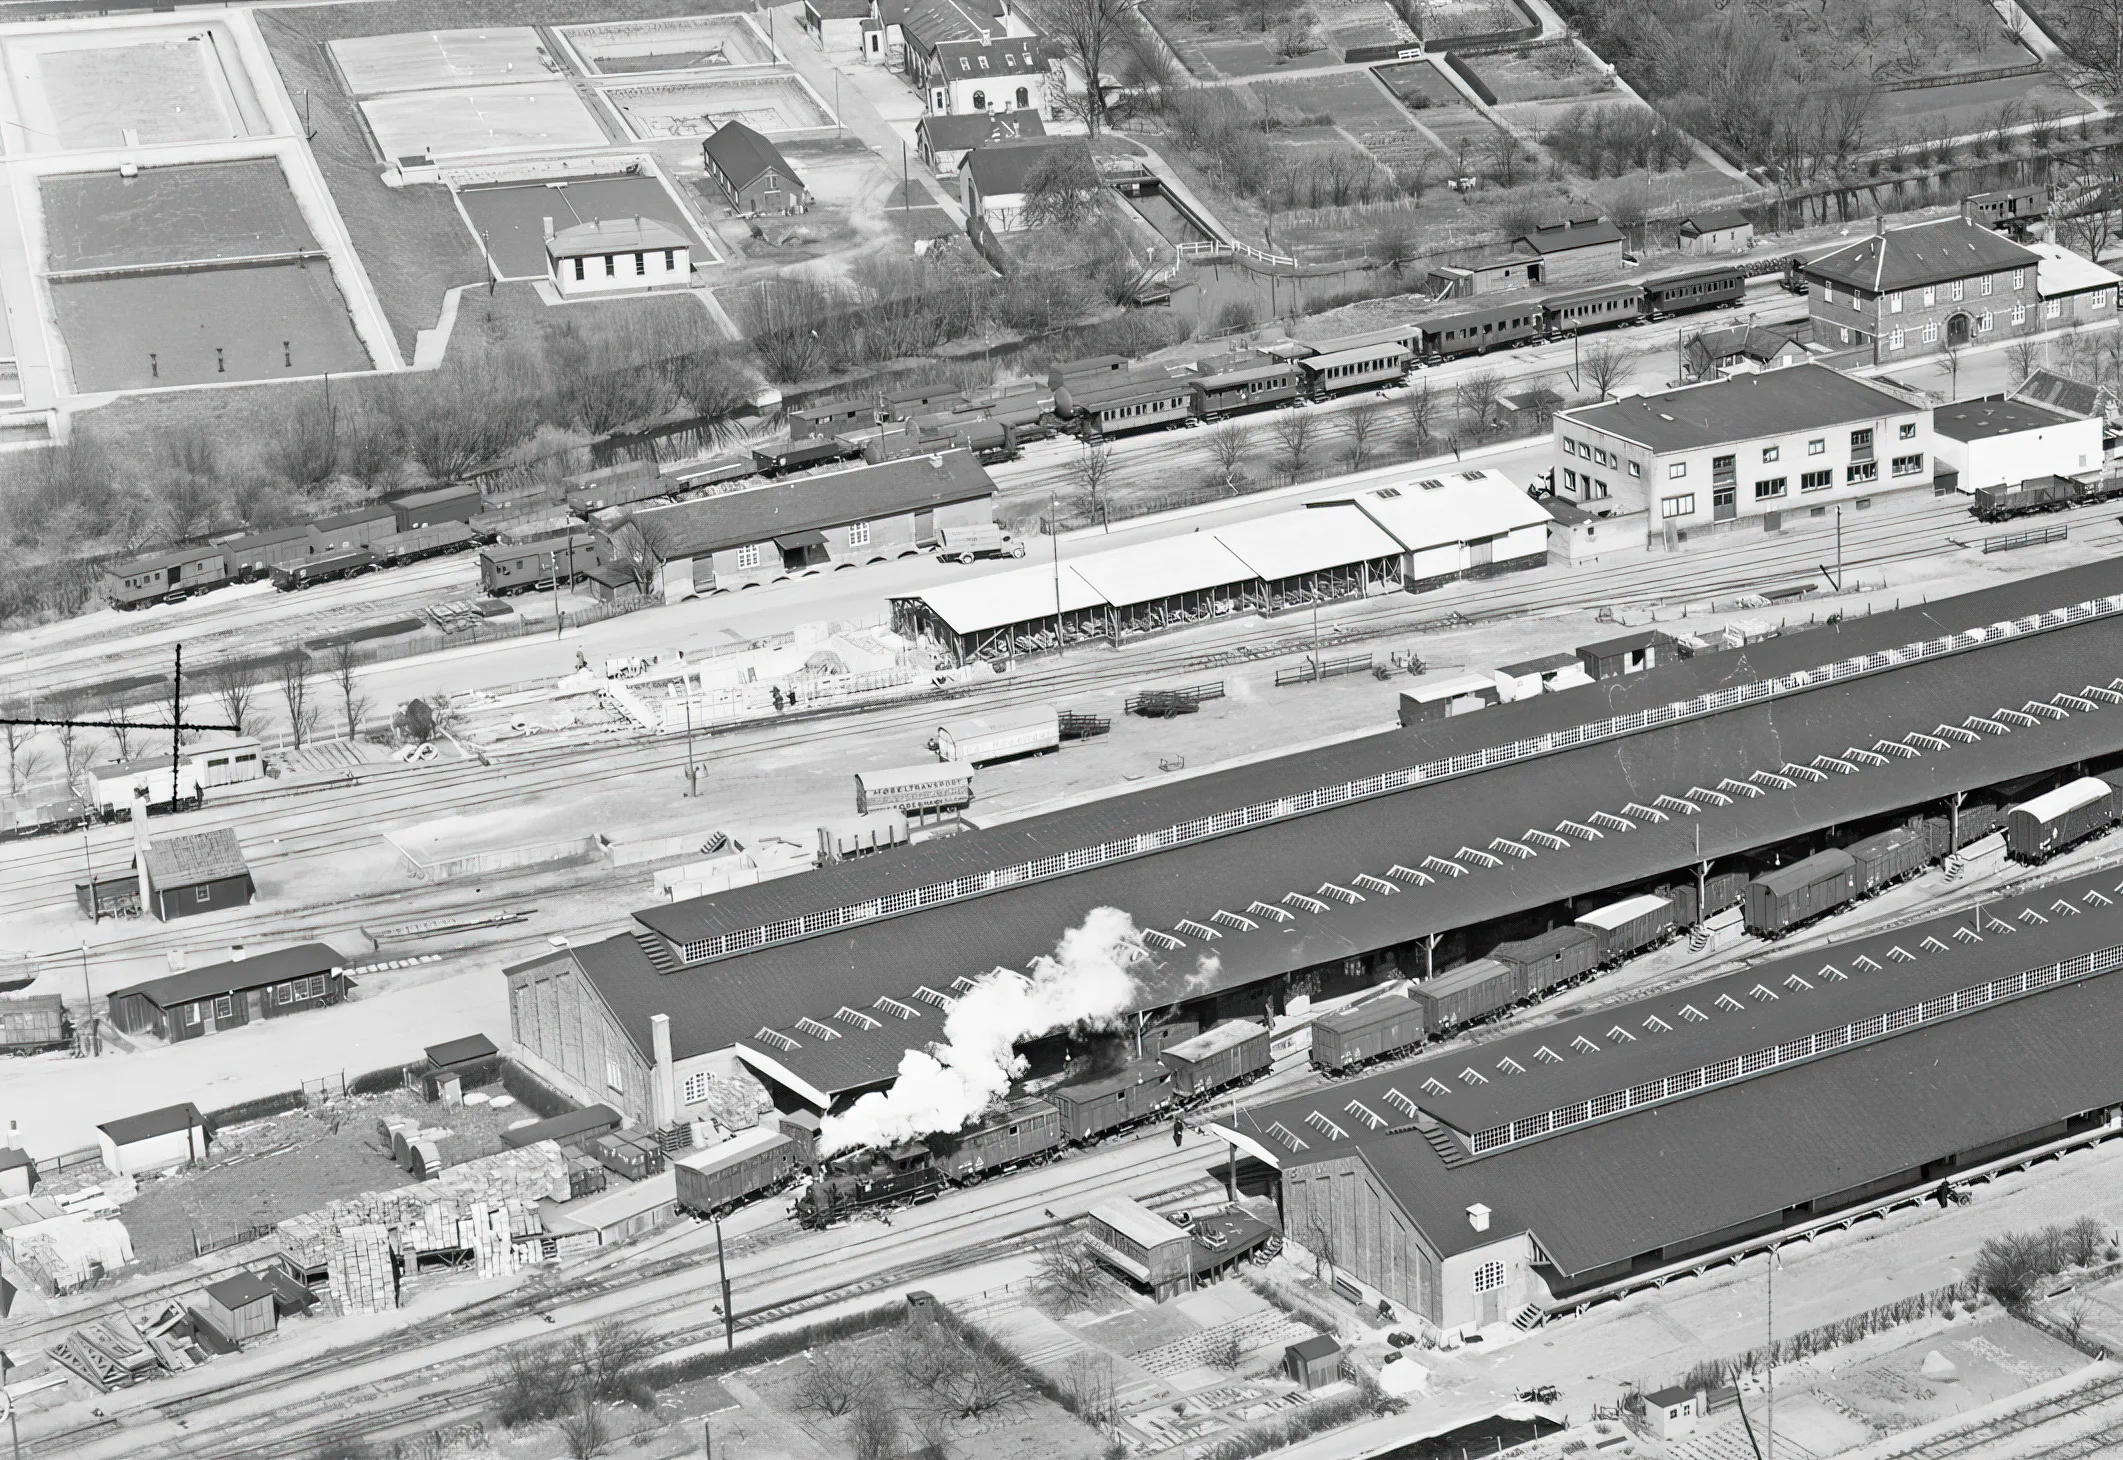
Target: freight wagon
(2041, 494)
(1025, 1131)
(1351, 1038)
(1556, 957)
(750, 1162)
(109, 788)
(915, 789)
(1720, 890)
(1806, 889)
(2038, 829)
(249, 559)
(1467, 995)
(430, 509)
(427, 540)
(1232, 1053)
(1004, 735)
(1095, 1108)
(33, 1023)
(576, 1127)
(1629, 926)
(330, 568)
(523, 567)
(1887, 858)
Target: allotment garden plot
(772, 102)
(510, 218)
(692, 43)
(79, 91)
(191, 274)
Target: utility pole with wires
(177, 725)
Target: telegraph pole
(729, 1316)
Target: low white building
(1753, 446)
(154, 1140)
(617, 255)
(1453, 524)
(995, 179)
(2074, 289)
(1990, 443)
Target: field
(425, 59)
(694, 43)
(1957, 111)
(1232, 38)
(1352, 99)
(244, 322)
(191, 212)
(511, 216)
(1444, 19)
(532, 116)
(770, 103)
(1542, 73)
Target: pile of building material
(734, 1102)
(67, 1250)
(427, 1151)
(115, 1353)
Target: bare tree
(234, 687)
(2024, 357)
(640, 545)
(1363, 419)
(1230, 444)
(1541, 399)
(962, 1375)
(354, 706)
(306, 450)
(875, 1431)
(1420, 403)
(832, 1381)
(583, 1430)
(1091, 1384)
(1320, 1242)
(1085, 31)
(1605, 365)
(1067, 1278)
(1393, 240)
(1064, 189)
(1090, 473)
(25, 758)
(303, 712)
(1294, 432)
(1479, 394)
(122, 734)
(77, 746)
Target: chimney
(140, 794)
(14, 1137)
(1478, 1217)
(663, 1089)
(547, 225)
(1879, 225)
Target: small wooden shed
(241, 1307)
(1313, 1362)
(154, 1140)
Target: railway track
(2020, 1421)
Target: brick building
(1908, 292)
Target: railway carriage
(1714, 288)
(1380, 364)
(1478, 331)
(1599, 307)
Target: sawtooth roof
(1936, 252)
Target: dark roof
(1749, 341)
(1919, 254)
(1539, 664)
(236, 975)
(839, 9)
(1317, 1347)
(933, 21)
(712, 1005)
(589, 1120)
(251, 542)
(1972, 420)
(354, 518)
(1627, 643)
(1801, 397)
(194, 856)
(243, 1288)
(956, 132)
(1571, 233)
(460, 1051)
(744, 156)
(14, 1157)
(145, 1126)
(1005, 166)
(1003, 59)
(2061, 392)
(1719, 1018)
(1715, 219)
(832, 499)
(1741, 1154)
(438, 494)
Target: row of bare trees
(929, 1377)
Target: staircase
(1527, 1318)
(1450, 1151)
(1955, 866)
(658, 951)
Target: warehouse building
(1618, 1148)
(1990, 443)
(1406, 853)
(224, 996)
(838, 519)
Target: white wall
(2067, 449)
(596, 281)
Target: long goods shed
(738, 919)
(1377, 874)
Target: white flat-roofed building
(1453, 524)
(1994, 443)
(1753, 446)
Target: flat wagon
(1095, 1107)
(1780, 900)
(1344, 1040)
(1555, 957)
(2041, 494)
(1889, 857)
(1627, 927)
(33, 1022)
(427, 540)
(2038, 829)
(330, 568)
(713, 1181)
(1233, 1051)
(1025, 1131)
(1468, 994)
(915, 789)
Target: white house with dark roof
(1993, 443)
(1748, 446)
(995, 179)
(943, 139)
(2075, 290)
(1720, 230)
(1917, 290)
(964, 56)
(617, 255)
(751, 172)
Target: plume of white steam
(1085, 984)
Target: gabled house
(994, 180)
(962, 58)
(752, 173)
(1739, 350)
(944, 140)
(1576, 248)
(1919, 289)
(1720, 230)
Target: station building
(1397, 855)
(1923, 288)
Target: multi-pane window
(2100, 299)
(696, 1088)
(1675, 470)
(1894, 339)
(1931, 333)
(858, 534)
(1769, 487)
(1905, 466)
(2052, 308)
(1681, 506)
(1816, 446)
(1862, 471)
(748, 555)
(1986, 283)
(1907, 430)
(224, 1007)
(1953, 291)
(1488, 1277)
(1771, 453)
(1931, 297)
(2019, 278)
(1723, 468)
(2019, 315)
(1983, 322)
(1894, 302)
(615, 1078)
(1816, 481)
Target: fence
(1317, 669)
(2035, 537)
(201, 1246)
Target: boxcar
(1623, 928)
(1233, 1051)
(711, 1182)
(1696, 289)
(1352, 1037)
(524, 566)
(1591, 309)
(932, 787)
(1469, 993)
(255, 556)
(802, 1128)
(1026, 1130)
(1889, 857)
(1555, 957)
(1474, 331)
(1720, 890)
(33, 1022)
(1091, 1108)
(2038, 829)
(1780, 900)
(425, 541)
(1244, 390)
(289, 577)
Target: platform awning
(1149, 571)
(1291, 543)
(1021, 595)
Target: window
(1681, 506)
(1983, 322)
(283, 993)
(1908, 466)
(1931, 333)
(1894, 339)
(1489, 1277)
(1636, 469)
(2019, 278)
(1722, 468)
(1894, 302)
(611, 266)
(1907, 431)
(1570, 480)
(1931, 297)
(980, 98)
(2019, 315)
(1570, 447)
(1861, 440)
(1771, 453)
(1953, 291)
(696, 1088)
(1862, 471)
(224, 1008)
(2100, 299)
(578, 271)
(1816, 446)
(2052, 309)
(191, 1013)
(1817, 481)
(1676, 470)
(670, 260)
(1986, 283)
(1769, 487)
(1828, 292)
(615, 1078)
(748, 556)
(859, 534)
(1594, 489)
(202, 893)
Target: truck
(980, 540)
(1003, 735)
(916, 789)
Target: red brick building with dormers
(1912, 291)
